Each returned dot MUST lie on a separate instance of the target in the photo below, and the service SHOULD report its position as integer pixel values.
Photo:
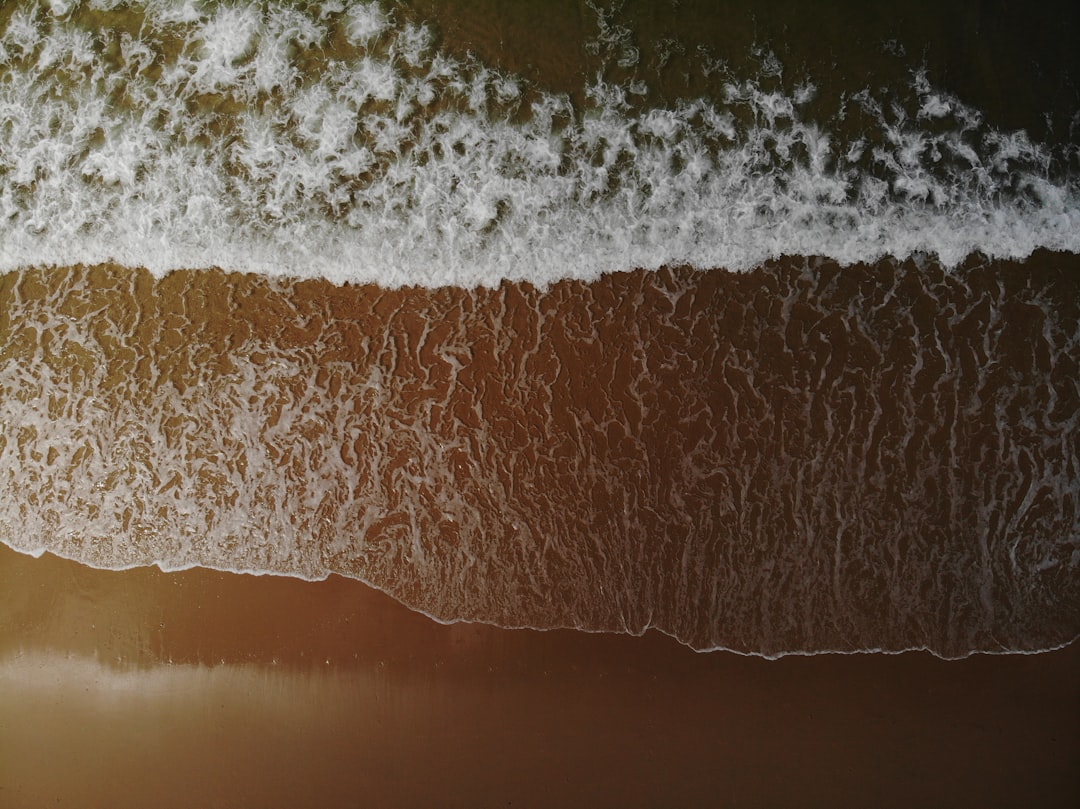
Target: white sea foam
(395, 163)
(251, 138)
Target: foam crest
(339, 142)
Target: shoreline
(409, 712)
(376, 594)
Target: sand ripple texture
(797, 459)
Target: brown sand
(147, 689)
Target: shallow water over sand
(799, 459)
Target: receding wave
(744, 460)
(340, 142)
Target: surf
(341, 142)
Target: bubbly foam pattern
(337, 141)
(791, 460)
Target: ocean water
(757, 326)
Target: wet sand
(141, 688)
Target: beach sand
(198, 688)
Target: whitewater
(338, 141)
